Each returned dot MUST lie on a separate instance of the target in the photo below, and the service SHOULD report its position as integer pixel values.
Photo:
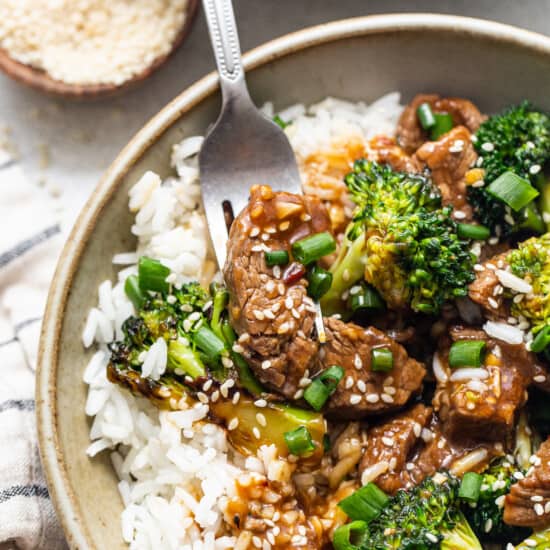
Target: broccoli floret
(518, 141)
(427, 517)
(486, 517)
(531, 262)
(401, 241)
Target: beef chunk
(409, 447)
(486, 291)
(528, 503)
(272, 314)
(362, 391)
(385, 150)
(449, 159)
(483, 405)
(410, 135)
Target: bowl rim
(53, 461)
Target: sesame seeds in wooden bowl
(87, 77)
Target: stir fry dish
(419, 418)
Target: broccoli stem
(460, 537)
(182, 357)
(220, 300)
(348, 268)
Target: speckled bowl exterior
(357, 59)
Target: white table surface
(65, 146)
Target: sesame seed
(459, 215)
(539, 378)
(509, 219)
(236, 397)
(283, 226)
(372, 398)
(233, 423)
(409, 466)
(355, 399)
(535, 169)
(358, 363)
(388, 441)
(207, 385)
(427, 435)
(488, 525)
(270, 286)
(518, 475)
(281, 289)
(295, 313)
(478, 267)
(226, 362)
(491, 266)
(261, 419)
(256, 432)
(265, 237)
(215, 396)
(349, 383)
(237, 348)
(530, 542)
(259, 314)
(298, 394)
(260, 403)
(270, 537)
(276, 272)
(417, 429)
(255, 231)
(500, 501)
(386, 398)
(488, 146)
(537, 498)
(493, 240)
(390, 390)
(266, 364)
(547, 508)
(493, 303)
(283, 328)
(305, 217)
(431, 538)
(244, 337)
(518, 298)
(289, 302)
(256, 541)
(393, 463)
(256, 248)
(304, 382)
(361, 386)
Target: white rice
(176, 470)
(504, 332)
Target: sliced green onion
(513, 190)
(365, 504)
(381, 360)
(472, 231)
(299, 441)
(443, 124)
(206, 341)
(279, 121)
(541, 340)
(134, 292)
(467, 353)
(323, 386)
(531, 219)
(276, 257)
(351, 536)
(320, 281)
(470, 487)
(314, 247)
(182, 357)
(246, 377)
(152, 275)
(367, 298)
(425, 116)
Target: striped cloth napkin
(30, 241)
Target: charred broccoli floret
(400, 241)
(516, 141)
(427, 517)
(531, 262)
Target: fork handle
(224, 37)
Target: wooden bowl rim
(40, 80)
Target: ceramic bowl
(357, 59)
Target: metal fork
(243, 147)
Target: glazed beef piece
(384, 149)
(449, 159)
(528, 503)
(482, 402)
(410, 135)
(487, 291)
(270, 310)
(404, 450)
(362, 391)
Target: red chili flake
(293, 273)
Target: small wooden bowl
(43, 82)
